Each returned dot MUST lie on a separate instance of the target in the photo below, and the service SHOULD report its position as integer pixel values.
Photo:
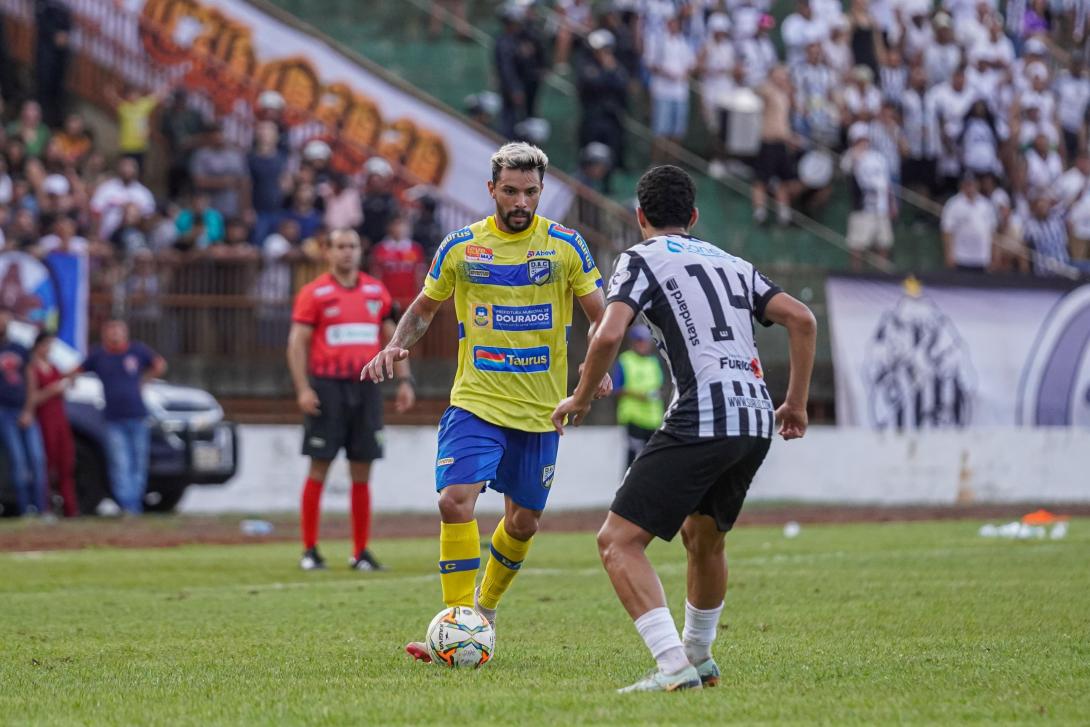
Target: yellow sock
(459, 561)
(503, 566)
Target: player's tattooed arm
(412, 327)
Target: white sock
(699, 633)
(660, 634)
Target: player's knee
(454, 509)
(521, 525)
(610, 546)
(699, 542)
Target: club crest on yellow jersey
(540, 271)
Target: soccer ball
(459, 637)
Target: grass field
(921, 622)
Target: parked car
(191, 444)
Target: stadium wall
(831, 465)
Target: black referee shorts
(350, 418)
(675, 477)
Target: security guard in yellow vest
(637, 380)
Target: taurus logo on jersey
(480, 316)
(511, 360)
(539, 271)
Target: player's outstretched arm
(410, 329)
(594, 307)
(802, 341)
(604, 345)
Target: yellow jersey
(513, 296)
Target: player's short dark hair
(520, 156)
(667, 196)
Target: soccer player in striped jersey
(513, 276)
(700, 303)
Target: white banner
(230, 51)
(917, 355)
(829, 465)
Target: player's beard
(515, 223)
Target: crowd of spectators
(946, 100)
(268, 206)
(222, 221)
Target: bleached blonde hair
(521, 156)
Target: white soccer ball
(459, 637)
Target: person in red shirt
(60, 448)
(399, 262)
(340, 322)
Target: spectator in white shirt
(971, 29)
(861, 99)
(996, 45)
(1078, 224)
(838, 47)
(671, 62)
(756, 53)
(918, 165)
(112, 197)
(1043, 167)
(869, 223)
(944, 56)
(1072, 90)
(719, 69)
(968, 229)
(800, 29)
(947, 105)
(979, 141)
(917, 34)
(64, 238)
(1071, 184)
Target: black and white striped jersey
(700, 303)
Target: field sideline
(912, 622)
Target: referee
(700, 303)
(340, 321)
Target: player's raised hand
(382, 365)
(308, 402)
(573, 410)
(793, 421)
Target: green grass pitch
(849, 623)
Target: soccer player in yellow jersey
(513, 276)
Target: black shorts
(350, 418)
(675, 477)
(774, 162)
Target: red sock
(361, 515)
(309, 512)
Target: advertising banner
(950, 353)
